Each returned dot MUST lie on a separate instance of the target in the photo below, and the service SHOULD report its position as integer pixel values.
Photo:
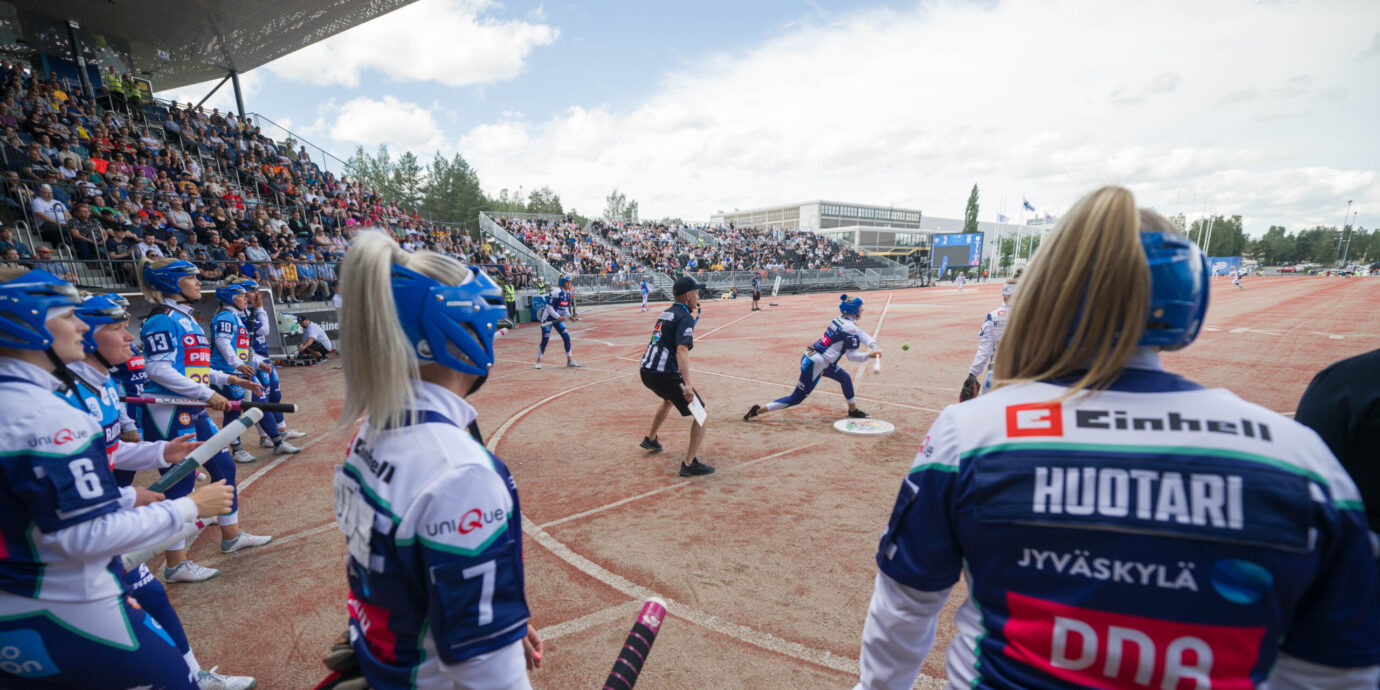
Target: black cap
(685, 284)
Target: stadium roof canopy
(179, 42)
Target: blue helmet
(566, 280)
(226, 294)
(97, 311)
(249, 284)
(1179, 290)
(165, 279)
(117, 298)
(452, 325)
(850, 307)
(24, 305)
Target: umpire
(666, 370)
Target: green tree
(970, 217)
(1219, 235)
(405, 180)
(615, 205)
(544, 200)
(451, 191)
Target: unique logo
(1099, 649)
(470, 520)
(62, 436)
(1035, 419)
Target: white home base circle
(864, 427)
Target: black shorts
(756, 295)
(667, 387)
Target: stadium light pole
(1343, 232)
(1351, 232)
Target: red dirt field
(768, 564)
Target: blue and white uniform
(178, 363)
(103, 403)
(646, 291)
(989, 337)
(557, 308)
(435, 542)
(64, 617)
(273, 388)
(841, 339)
(1156, 534)
(232, 347)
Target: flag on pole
(1002, 219)
(1026, 203)
(1048, 217)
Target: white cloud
(912, 107)
(452, 42)
(402, 126)
(251, 83)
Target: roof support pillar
(79, 60)
(213, 91)
(239, 95)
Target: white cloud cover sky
(1262, 109)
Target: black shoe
(695, 468)
(756, 409)
(858, 414)
(650, 445)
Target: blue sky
(1257, 108)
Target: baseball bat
(877, 365)
(131, 560)
(237, 405)
(635, 649)
(207, 450)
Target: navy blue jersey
(674, 327)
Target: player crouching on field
(841, 339)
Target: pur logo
(1098, 649)
(1035, 419)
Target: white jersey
(989, 337)
(59, 499)
(1156, 534)
(841, 339)
(435, 552)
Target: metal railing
(532, 258)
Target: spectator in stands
(8, 242)
(9, 258)
(52, 215)
(46, 262)
(178, 218)
(149, 247)
(85, 233)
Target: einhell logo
(1035, 419)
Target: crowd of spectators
(115, 179)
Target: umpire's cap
(686, 284)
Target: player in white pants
(989, 337)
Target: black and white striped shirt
(674, 327)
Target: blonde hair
(380, 362)
(1085, 297)
(152, 294)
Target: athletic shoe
(538, 364)
(572, 364)
(650, 445)
(293, 433)
(265, 442)
(286, 448)
(244, 541)
(242, 455)
(187, 571)
(858, 414)
(756, 410)
(695, 469)
(210, 680)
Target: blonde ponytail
(153, 295)
(379, 362)
(1084, 299)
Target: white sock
(192, 663)
(774, 406)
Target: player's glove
(970, 388)
(345, 671)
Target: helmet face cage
(99, 311)
(166, 279)
(1179, 290)
(24, 305)
(451, 325)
